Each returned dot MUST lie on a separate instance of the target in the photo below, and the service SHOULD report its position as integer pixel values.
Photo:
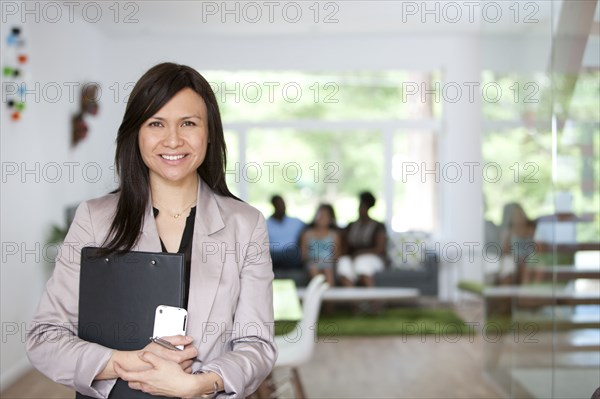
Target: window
(520, 142)
(324, 137)
(414, 196)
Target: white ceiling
(347, 17)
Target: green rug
(399, 321)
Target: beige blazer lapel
(205, 274)
(149, 240)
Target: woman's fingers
(178, 339)
(189, 352)
(126, 375)
(185, 364)
(164, 378)
(138, 386)
(178, 356)
(135, 385)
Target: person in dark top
(518, 246)
(364, 242)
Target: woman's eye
(189, 123)
(154, 124)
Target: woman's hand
(184, 358)
(163, 377)
(130, 360)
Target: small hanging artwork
(15, 58)
(89, 105)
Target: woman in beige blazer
(171, 162)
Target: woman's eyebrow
(181, 118)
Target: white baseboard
(16, 371)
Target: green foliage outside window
(526, 155)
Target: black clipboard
(118, 296)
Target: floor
(36, 386)
(387, 367)
(394, 367)
(473, 365)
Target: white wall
(72, 52)
(32, 202)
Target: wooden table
(359, 294)
(503, 301)
(532, 295)
(564, 273)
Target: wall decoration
(89, 105)
(15, 59)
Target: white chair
(297, 346)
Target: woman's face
(518, 217)
(173, 141)
(323, 218)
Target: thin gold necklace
(178, 214)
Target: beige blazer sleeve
(52, 344)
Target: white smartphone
(168, 321)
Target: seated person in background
(491, 235)
(559, 228)
(365, 243)
(556, 235)
(284, 234)
(517, 243)
(320, 244)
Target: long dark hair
(329, 208)
(154, 89)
